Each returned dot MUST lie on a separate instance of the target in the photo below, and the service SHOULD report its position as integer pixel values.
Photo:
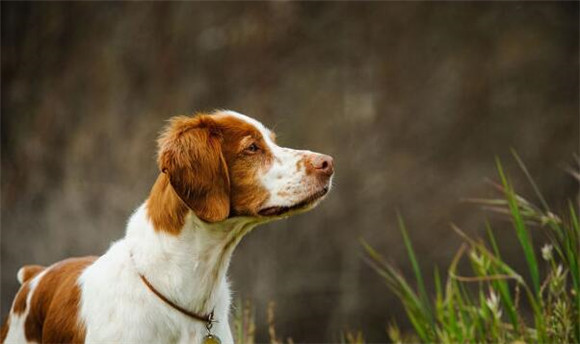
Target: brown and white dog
(221, 175)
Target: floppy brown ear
(190, 155)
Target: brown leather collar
(208, 319)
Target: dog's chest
(117, 307)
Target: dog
(221, 175)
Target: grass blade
(416, 269)
(521, 230)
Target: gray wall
(413, 100)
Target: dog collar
(209, 319)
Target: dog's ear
(190, 154)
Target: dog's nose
(323, 164)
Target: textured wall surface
(413, 100)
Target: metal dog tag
(211, 339)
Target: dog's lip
(279, 210)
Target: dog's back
(46, 306)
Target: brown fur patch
(247, 194)
(19, 305)
(4, 330)
(165, 209)
(190, 154)
(308, 164)
(207, 170)
(300, 164)
(29, 271)
(54, 306)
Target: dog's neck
(187, 266)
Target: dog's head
(227, 164)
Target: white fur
(285, 180)
(118, 307)
(189, 268)
(20, 275)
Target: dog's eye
(253, 148)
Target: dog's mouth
(304, 204)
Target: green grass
(487, 304)
(492, 302)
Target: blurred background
(413, 100)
